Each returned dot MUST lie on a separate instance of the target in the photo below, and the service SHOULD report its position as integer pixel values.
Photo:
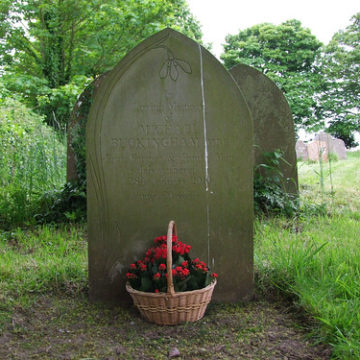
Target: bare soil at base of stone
(62, 327)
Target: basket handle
(171, 231)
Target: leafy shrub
(270, 197)
(67, 204)
(55, 104)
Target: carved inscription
(162, 149)
(154, 143)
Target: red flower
(143, 267)
(185, 272)
(130, 275)
(156, 256)
(157, 239)
(158, 253)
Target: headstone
(317, 148)
(169, 136)
(273, 123)
(76, 162)
(323, 136)
(301, 150)
(335, 146)
(339, 148)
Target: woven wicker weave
(172, 308)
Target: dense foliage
(341, 69)
(285, 53)
(320, 84)
(50, 49)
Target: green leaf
(146, 284)
(208, 279)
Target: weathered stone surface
(273, 123)
(301, 150)
(339, 148)
(323, 136)
(317, 148)
(75, 165)
(169, 137)
(334, 146)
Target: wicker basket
(172, 308)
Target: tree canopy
(50, 48)
(322, 84)
(287, 54)
(341, 69)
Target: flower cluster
(150, 274)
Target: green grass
(341, 184)
(317, 258)
(42, 260)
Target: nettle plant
(150, 274)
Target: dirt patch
(65, 328)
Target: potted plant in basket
(167, 286)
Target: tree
(287, 54)
(51, 48)
(341, 68)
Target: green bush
(32, 161)
(270, 197)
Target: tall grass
(32, 162)
(316, 258)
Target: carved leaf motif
(164, 70)
(173, 71)
(184, 65)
